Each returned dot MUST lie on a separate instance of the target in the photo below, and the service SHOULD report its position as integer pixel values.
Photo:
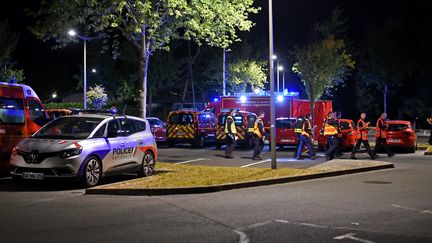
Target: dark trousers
(338, 151)
(297, 145)
(258, 146)
(332, 146)
(367, 146)
(304, 140)
(382, 143)
(230, 145)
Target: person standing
(381, 135)
(362, 137)
(231, 135)
(306, 138)
(298, 130)
(258, 136)
(331, 131)
(429, 120)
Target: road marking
(244, 238)
(412, 209)
(351, 236)
(190, 161)
(256, 163)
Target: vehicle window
(37, 112)
(69, 128)
(203, 119)
(344, 125)
(140, 125)
(113, 129)
(213, 119)
(128, 127)
(354, 125)
(11, 111)
(238, 119)
(251, 120)
(285, 123)
(100, 132)
(182, 119)
(397, 127)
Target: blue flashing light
(280, 98)
(216, 99)
(113, 110)
(243, 98)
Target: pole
(277, 70)
(224, 73)
(283, 81)
(85, 75)
(272, 89)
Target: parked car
(349, 135)
(244, 122)
(285, 135)
(21, 114)
(158, 129)
(188, 126)
(88, 147)
(401, 134)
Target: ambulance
(21, 114)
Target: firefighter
(258, 136)
(231, 135)
(306, 138)
(362, 136)
(381, 135)
(331, 131)
(298, 131)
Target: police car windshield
(238, 119)
(69, 128)
(182, 119)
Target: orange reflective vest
(362, 130)
(330, 130)
(306, 130)
(381, 133)
(256, 128)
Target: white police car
(87, 146)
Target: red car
(401, 134)
(285, 135)
(158, 128)
(349, 135)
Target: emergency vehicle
(349, 135)
(285, 132)
(244, 122)
(21, 114)
(188, 126)
(287, 104)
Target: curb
(208, 189)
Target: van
(21, 114)
(285, 134)
(244, 122)
(194, 127)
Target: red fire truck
(287, 104)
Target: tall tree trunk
(144, 61)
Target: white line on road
(412, 209)
(190, 161)
(351, 236)
(256, 163)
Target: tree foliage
(97, 97)
(8, 42)
(246, 73)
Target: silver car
(86, 146)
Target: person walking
(362, 137)
(258, 136)
(298, 130)
(331, 131)
(306, 139)
(231, 135)
(429, 120)
(381, 135)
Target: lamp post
(224, 73)
(283, 81)
(272, 89)
(73, 33)
(279, 68)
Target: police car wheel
(148, 165)
(92, 171)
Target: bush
(53, 105)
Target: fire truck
(287, 104)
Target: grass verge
(176, 176)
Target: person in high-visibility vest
(362, 137)
(231, 135)
(306, 138)
(258, 136)
(331, 131)
(381, 135)
(298, 131)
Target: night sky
(47, 70)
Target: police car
(87, 146)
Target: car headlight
(70, 152)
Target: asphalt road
(392, 205)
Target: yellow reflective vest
(256, 128)
(330, 130)
(233, 127)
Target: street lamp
(279, 68)
(73, 33)
(94, 70)
(272, 89)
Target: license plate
(287, 140)
(32, 176)
(394, 140)
(180, 133)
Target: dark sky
(47, 70)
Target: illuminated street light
(54, 95)
(274, 57)
(93, 70)
(72, 33)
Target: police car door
(132, 141)
(116, 142)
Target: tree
(246, 73)
(8, 74)
(8, 42)
(97, 97)
(149, 25)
